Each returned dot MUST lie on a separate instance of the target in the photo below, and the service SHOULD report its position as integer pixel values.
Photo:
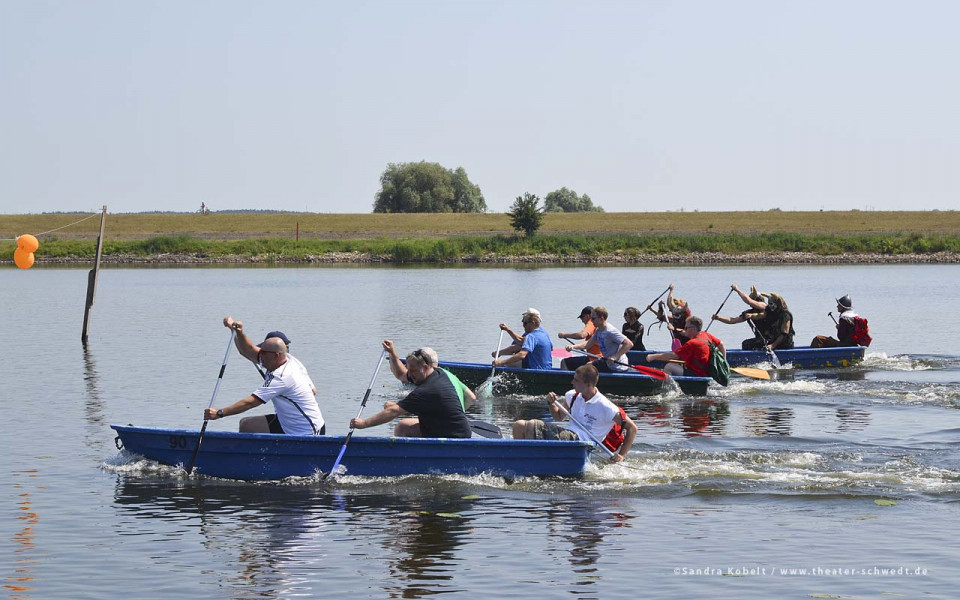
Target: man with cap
(571, 363)
(847, 333)
(513, 335)
(437, 401)
(532, 351)
(286, 383)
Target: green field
(358, 226)
(450, 237)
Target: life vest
(861, 332)
(615, 436)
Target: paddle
(655, 373)
(366, 397)
(593, 438)
(751, 372)
(766, 345)
(745, 371)
(216, 388)
(487, 430)
(650, 306)
(486, 388)
(717, 312)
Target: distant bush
(423, 187)
(525, 214)
(565, 200)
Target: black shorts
(275, 427)
(274, 423)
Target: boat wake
(907, 362)
(784, 472)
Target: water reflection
(768, 420)
(93, 410)
(852, 419)
(259, 538)
(20, 581)
(690, 417)
(271, 539)
(424, 541)
(585, 525)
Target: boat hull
(801, 357)
(266, 456)
(541, 381)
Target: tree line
(419, 187)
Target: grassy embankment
(449, 237)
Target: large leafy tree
(564, 200)
(426, 187)
(525, 214)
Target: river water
(851, 475)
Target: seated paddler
(605, 420)
(286, 383)
(436, 402)
(533, 351)
(611, 341)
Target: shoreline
(678, 258)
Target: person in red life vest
(695, 353)
(604, 419)
(852, 329)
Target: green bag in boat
(718, 367)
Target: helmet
(845, 301)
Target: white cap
(532, 311)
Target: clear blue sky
(643, 105)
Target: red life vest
(861, 332)
(615, 436)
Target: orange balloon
(27, 243)
(23, 259)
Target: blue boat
(267, 456)
(801, 357)
(514, 380)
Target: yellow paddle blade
(748, 372)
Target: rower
(534, 351)
(586, 405)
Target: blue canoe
(258, 456)
(801, 357)
(541, 381)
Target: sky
(642, 105)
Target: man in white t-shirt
(589, 407)
(286, 383)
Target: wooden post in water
(92, 280)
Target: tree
(426, 187)
(564, 200)
(525, 214)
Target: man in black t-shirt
(435, 401)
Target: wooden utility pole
(92, 280)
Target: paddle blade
(561, 353)
(655, 373)
(487, 430)
(749, 372)
(485, 389)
